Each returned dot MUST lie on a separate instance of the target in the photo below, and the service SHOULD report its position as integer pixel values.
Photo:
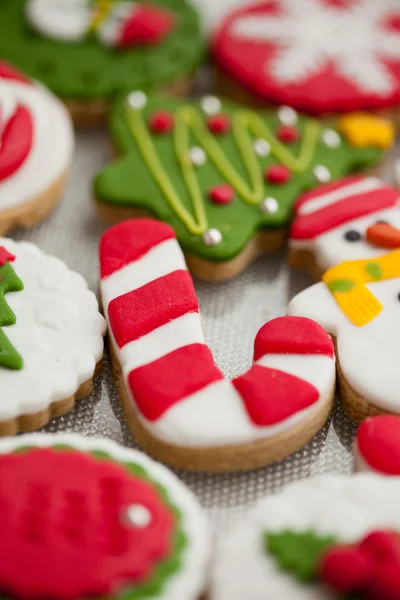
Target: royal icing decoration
(120, 24)
(122, 524)
(363, 320)
(287, 548)
(239, 148)
(365, 130)
(52, 332)
(168, 370)
(377, 445)
(36, 139)
(319, 56)
(355, 218)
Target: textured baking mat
(232, 314)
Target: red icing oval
(277, 174)
(64, 533)
(15, 142)
(378, 440)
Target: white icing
(310, 35)
(64, 20)
(368, 355)
(347, 507)
(52, 148)
(215, 415)
(58, 332)
(189, 582)
(111, 30)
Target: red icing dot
(62, 523)
(378, 441)
(222, 194)
(277, 174)
(161, 121)
(381, 546)
(287, 134)
(5, 256)
(219, 124)
(346, 570)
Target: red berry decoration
(287, 134)
(222, 194)
(63, 521)
(381, 546)
(346, 570)
(277, 174)
(5, 256)
(385, 583)
(219, 124)
(161, 121)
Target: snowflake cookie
(225, 177)
(51, 337)
(356, 217)
(357, 302)
(318, 56)
(331, 537)
(36, 145)
(87, 518)
(181, 408)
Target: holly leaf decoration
(374, 270)
(298, 552)
(9, 282)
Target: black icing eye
(398, 296)
(352, 235)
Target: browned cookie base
(27, 423)
(305, 260)
(36, 210)
(222, 459)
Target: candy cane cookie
(36, 145)
(181, 408)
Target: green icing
(341, 285)
(153, 168)
(89, 71)
(298, 552)
(9, 282)
(374, 270)
(154, 586)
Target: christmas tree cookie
(168, 382)
(318, 56)
(223, 176)
(324, 538)
(51, 337)
(357, 302)
(87, 51)
(356, 217)
(87, 518)
(36, 145)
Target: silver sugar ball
(212, 237)
(269, 205)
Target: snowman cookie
(36, 145)
(357, 303)
(87, 518)
(223, 176)
(377, 445)
(318, 56)
(326, 538)
(356, 217)
(51, 337)
(179, 405)
(88, 51)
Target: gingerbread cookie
(318, 56)
(357, 217)
(36, 145)
(166, 376)
(223, 176)
(324, 538)
(87, 51)
(377, 446)
(87, 518)
(357, 303)
(51, 337)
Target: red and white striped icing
(178, 392)
(322, 218)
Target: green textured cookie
(223, 176)
(87, 50)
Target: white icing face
(58, 333)
(53, 140)
(368, 355)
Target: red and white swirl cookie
(36, 144)
(180, 406)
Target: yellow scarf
(347, 282)
(102, 9)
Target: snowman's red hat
(146, 25)
(334, 204)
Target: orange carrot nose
(383, 235)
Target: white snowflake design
(311, 33)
